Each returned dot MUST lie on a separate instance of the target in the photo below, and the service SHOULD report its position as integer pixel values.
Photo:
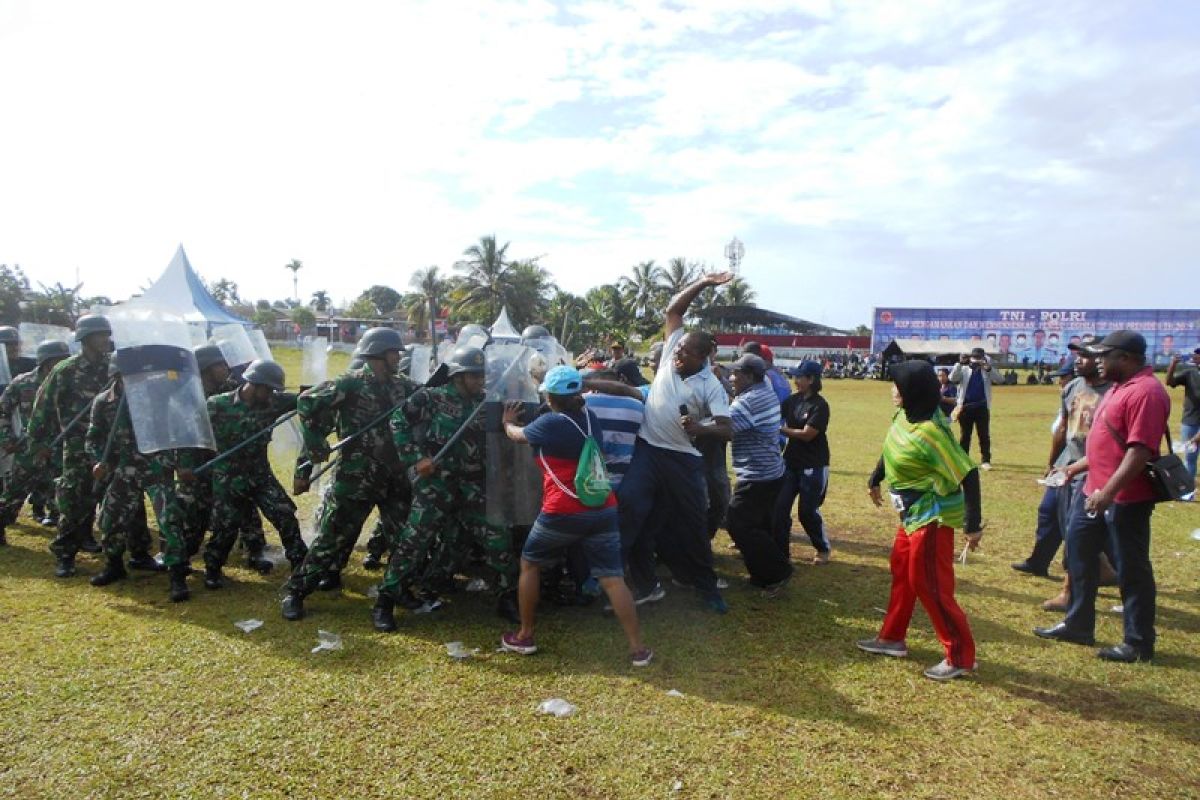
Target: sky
(919, 153)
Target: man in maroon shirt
(1117, 500)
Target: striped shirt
(925, 465)
(620, 418)
(756, 422)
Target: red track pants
(923, 567)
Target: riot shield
(5, 373)
(314, 361)
(234, 344)
(6, 460)
(258, 340)
(421, 366)
(445, 350)
(468, 339)
(513, 482)
(33, 334)
(199, 333)
(163, 390)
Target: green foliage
(385, 299)
(303, 316)
(362, 308)
(13, 288)
(265, 318)
(320, 301)
(225, 292)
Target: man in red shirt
(1117, 500)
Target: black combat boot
(213, 579)
(383, 615)
(293, 606)
(39, 512)
(113, 571)
(330, 582)
(147, 563)
(506, 608)
(3, 539)
(372, 562)
(89, 544)
(66, 567)
(179, 587)
(51, 519)
(259, 563)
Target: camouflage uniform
(24, 480)
(448, 507)
(122, 509)
(68, 389)
(197, 498)
(243, 484)
(368, 474)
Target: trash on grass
(247, 625)
(458, 651)
(675, 693)
(477, 585)
(428, 607)
(1196, 534)
(327, 641)
(557, 707)
(677, 786)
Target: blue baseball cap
(805, 369)
(562, 380)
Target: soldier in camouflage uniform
(26, 478)
(67, 393)
(368, 474)
(447, 511)
(126, 474)
(244, 483)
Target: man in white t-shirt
(663, 499)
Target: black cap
(1129, 341)
(977, 352)
(628, 369)
(1086, 344)
(752, 364)
(1196, 352)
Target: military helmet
(207, 355)
(9, 335)
(473, 329)
(466, 359)
(263, 372)
(357, 363)
(89, 324)
(52, 348)
(535, 332)
(378, 341)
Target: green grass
(116, 692)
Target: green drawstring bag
(592, 486)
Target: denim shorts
(597, 532)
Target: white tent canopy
(180, 291)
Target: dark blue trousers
(663, 504)
(1126, 527)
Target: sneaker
(716, 604)
(722, 583)
(653, 596)
(879, 647)
(773, 589)
(945, 671)
(512, 643)
(986, 465)
(821, 558)
(641, 658)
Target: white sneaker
(944, 671)
(987, 465)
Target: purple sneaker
(514, 644)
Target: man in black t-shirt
(806, 459)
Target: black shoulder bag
(1168, 475)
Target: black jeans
(970, 418)
(750, 521)
(1127, 527)
(809, 486)
(716, 476)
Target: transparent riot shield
(162, 382)
(421, 366)
(445, 350)
(258, 340)
(314, 361)
(468, 340)
(33, 334)
(286, 444)
(234, 344)
(5, 372)
(6, 459)
(199, 333)
(513, 481)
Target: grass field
(117, 693)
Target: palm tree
(737, 293)
(486, 284)
(531, 287)
(642, 290)
(564, 310)
(295, 266)
(320, 300)
(422, 304)
(678, 274)
(608, 316)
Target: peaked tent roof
(179, 289)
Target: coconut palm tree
(422, 304)
(320, 300)
(295, 265)
(737, 293)
(486, 283)
(564, 315)
(530, 297)
(678, 274)
(643, 289)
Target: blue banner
(1034, 335)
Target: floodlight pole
(734, 252)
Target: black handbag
(1168, 475)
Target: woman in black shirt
(806, 458)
